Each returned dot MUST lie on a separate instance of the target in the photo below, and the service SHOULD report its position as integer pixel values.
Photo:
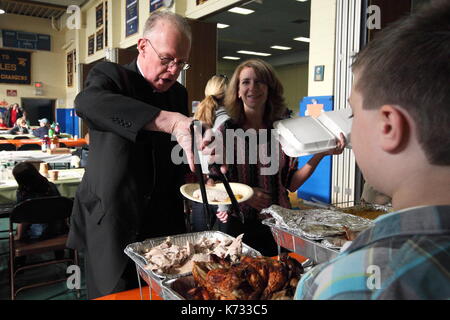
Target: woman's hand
(222, 216)
(260, 199)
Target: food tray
(176, 289)
(136, 252)
(295, 242)
(367, 210)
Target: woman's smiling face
(252, 90)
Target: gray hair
(180, 22)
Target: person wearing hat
(43, 129)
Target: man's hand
(178, 125)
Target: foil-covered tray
(316, 224)
(136, 251)
(290, 239)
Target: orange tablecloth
(134, 294)
(67, 142)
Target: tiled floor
(57, 291)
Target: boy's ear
(394, 127)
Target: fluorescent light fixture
(231, 58)
(241, 10)
(281, 48)
(222, 25)
(302, 39)
(254, 53)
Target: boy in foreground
(401, 140)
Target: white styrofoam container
(307, 135)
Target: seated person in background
(31, 184)
(43, 129)
(401, 138)
(21, 127)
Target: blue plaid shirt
(405, 255)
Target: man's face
(364, 138)
(165, 41)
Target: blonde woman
(254, 100)
(211, 110)
(212, 113)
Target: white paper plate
(244, 190)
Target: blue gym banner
(15, 67)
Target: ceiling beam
(39, 4)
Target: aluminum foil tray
(316, 224)
(298, 243)
(176, 289)
(137, 250)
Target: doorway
(36, 109)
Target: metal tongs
(214, 172)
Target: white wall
(46, 66)
(321, 47)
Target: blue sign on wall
(131, 17)
(15, 67)
(26, 40)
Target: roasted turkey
(251, 279)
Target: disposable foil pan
(316, 224)
(176, 289)
(136, 251)
(298, 243)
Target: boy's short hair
(408, 64)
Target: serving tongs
(214, 172)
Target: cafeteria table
(135, 294)
(34, 155)
(67, 184)
(71, 143)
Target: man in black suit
(130, 190)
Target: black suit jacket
(130, 190)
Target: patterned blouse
(256, 159)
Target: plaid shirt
(406, 255)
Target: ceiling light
(302, 39)
(241, 10)
(302, 0)
(231, 58)
(281, 48)
(254, 53)
(222, 25)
